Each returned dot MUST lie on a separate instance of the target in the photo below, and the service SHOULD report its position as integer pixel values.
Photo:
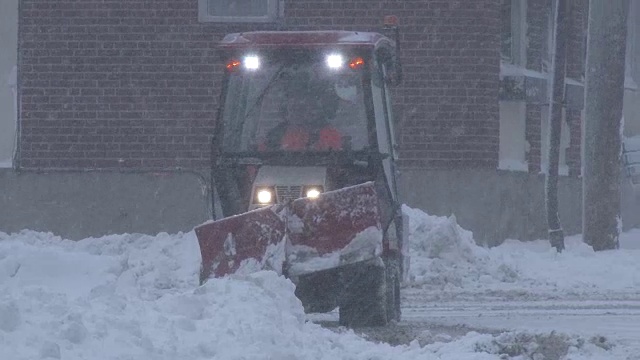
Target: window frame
(630, 56)
(275, 11)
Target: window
(8, 119)
(262, 104)
(631, 56)
(513, 146)
(513, 32)
(240, 10)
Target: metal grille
(286, 193)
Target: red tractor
(303, 170)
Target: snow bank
(137, 297)
(444, 257)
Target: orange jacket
(297, 138)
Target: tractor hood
(290, 176)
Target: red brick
(149, 69)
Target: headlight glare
(335, 61)
(264, 196)
(313, 192)
(252, 62)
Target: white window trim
(275, 10)
(12, 82)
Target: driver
(307, 115)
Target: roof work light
(335, 61)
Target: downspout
(12, 82)
(17, 93)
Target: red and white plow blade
(339, 227)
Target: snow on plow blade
(337, 228)
(242, 240)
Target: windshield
(302, 106)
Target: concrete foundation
(499, 205)
(79, 205)
(495, 205)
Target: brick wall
(133, 83)
(575, 70)
(115, 84)
(533, 128)
(537, 11)
(449, 99)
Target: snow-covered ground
(525, 286)
(137, 297)
(446, 262)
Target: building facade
(132, 85)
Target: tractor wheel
(364, 298)
(393, 291)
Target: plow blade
(338, 228)
(243, 240)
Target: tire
(364, 298)
(318, 292)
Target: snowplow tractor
(303, 170)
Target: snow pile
(273, 259)
(576, 271)
(137, 297)
(444, 257)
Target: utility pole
(601, 148)
(556, 104)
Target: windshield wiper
(238, 127)
(263, 92)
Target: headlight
(312, 192)
(264, 196)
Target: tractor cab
(303, 170)
(316, 100)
